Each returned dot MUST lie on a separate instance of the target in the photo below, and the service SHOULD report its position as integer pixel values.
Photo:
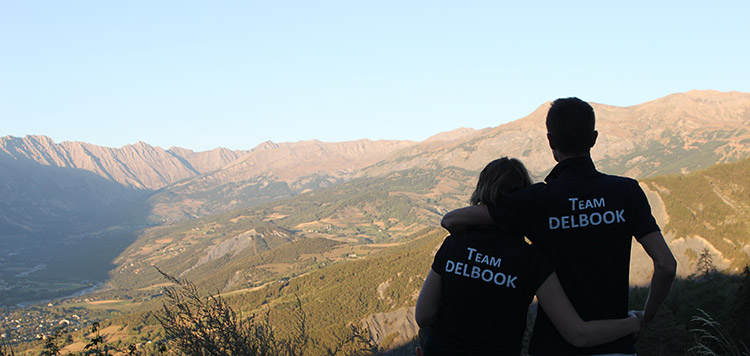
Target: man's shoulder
(533, 189)
(521, 197)
(618, 178)
(621, 180)
(596, 179)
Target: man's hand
(463, 218)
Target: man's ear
(593, 138)
(551, 141)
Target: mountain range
(677, 133)
(240, 221)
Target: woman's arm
(473, 215)
(428, 302)
(570, 325)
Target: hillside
(679, 133)
(68, 209)
(708, 209)
(60, 228)
(333, 295)
(357, 252)
(349, 220)
(70, 202)
(704, 209)
(270, 172)
(675, 134)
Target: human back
(489, 279)
(462, 245)
(586, 221)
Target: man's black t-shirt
(489, 278)
(585, 220)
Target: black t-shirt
(585, 220)
(488, 278)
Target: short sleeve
(644, 222)
(438, 263)
(543, 268)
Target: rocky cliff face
(137, 166)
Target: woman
(475, 297)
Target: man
(585, 220)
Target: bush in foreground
(207, 326)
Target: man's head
(570, 128)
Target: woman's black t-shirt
(489, 278)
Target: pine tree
(54, 343)
(704, 268)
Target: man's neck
(560, 156)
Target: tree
(55, 342)
(704, 268)
(96, 345)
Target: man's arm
(459, 219)
(665, 267)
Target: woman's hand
(637, 315)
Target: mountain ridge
(689, 117)
(58, 196)
(682, 121)
(354, 245)
(138, 166)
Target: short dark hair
(498, 179)
(570, 122)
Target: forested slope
(709, 209)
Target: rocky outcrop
(392, 329)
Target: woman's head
(499, 178)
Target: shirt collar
(573, 167)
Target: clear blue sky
(208, 74)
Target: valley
(348, 228)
